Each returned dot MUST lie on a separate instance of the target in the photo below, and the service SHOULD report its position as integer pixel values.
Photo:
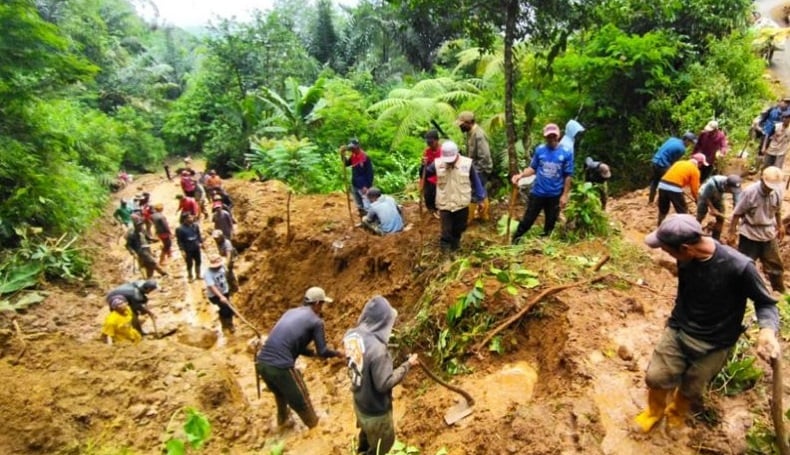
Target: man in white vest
(458, 185)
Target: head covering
(773, 178)
(187, 160)
(148, 285)
(604, 170)
(315, 295)
(675, 230)
(449, 152)
(212, 172)
(215, 261)
(374, 192)
(353, 143)
(710, 126)
(117, 301)
(734, 183)
(217, 233)
(217, 197)
(159, 207)
(689, 136)
(378, 318)
(700, 159)
(432, 135)
(550, 129)
(465, 117)
(216, 205)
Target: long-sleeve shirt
(477, 148)
(680, 175)
(669, 152)
(780, 141)
(289, 338)
(188, 237)
(361, 169)
(710, 142)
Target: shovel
(777, 413)
(460, 409)
(254, 355)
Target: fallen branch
(601, 263)
(534, 301)
(24, 343)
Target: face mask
(465, 128)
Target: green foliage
(761, 440)
(515, 276)
(278, 448)
(740, 372)
(296, 162)
(584, 214)
(472, 299)
(324, 37)
(196, 429)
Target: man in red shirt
(712, 143)
(188, 205)
(428, 180)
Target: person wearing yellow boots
(714, 283)
(478, 150)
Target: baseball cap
(710, 126)
(734, 183)
(353, 143)
(772, 176)
(675, 230)
(217, 233)
(315, 295)
(148, 285)
(700, 159)
(689, 136)
(449, 152)
(465, 116)
(605, 171)
(550, 129)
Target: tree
(324, 38)
(296, 112)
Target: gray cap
(374, 192)
(734, 183)
(148, 285)
(689, 136)
(353, 144)
(315, 295)
(675, 230)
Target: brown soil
(570, 382)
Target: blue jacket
(572, 129)
(769, 118)
(669, 152)
(551, 167)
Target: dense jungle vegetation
(87, 87)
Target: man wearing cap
(711, 198)
(714, 283)
(758, 219)
(135, 294)
(384, 215)
(218, 291)
(138, 244)
(776, 150)
(552, 166)
(712, 143)
(682, 174)
(361, 174)
(669, 152)
(765, 123)
(289, 339)
(190, 243)
(373, 376)
(428, 180)
(477, 149)
(117, 325)
(162, 230)
(222, 219)
(228, 253)
(598, 173)
(457, 186)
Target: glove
(767, 345)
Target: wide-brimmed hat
(774, 178)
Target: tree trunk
(510, 122)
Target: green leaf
(197, 428)
(530, 283)
(175, 447)
(511, 290)
(496, 345)
(278, 448)
(20, 277)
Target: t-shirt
(758, 211)
(680, 175)
(291, 335)
(712, 294)
(669, 152)
(386, 212)
(123, 214)
(216, 277)
(551, 167)
(119, 327)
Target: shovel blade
(457, 412)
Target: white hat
(449, 152)
(712, 125)
(315, 295)
(774, 178)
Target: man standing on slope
(712, 143)
(372, 375)
(680, 175)
(714, 283)
(552, 166)
(669, 152)
(478, 150)
(361, 174)
(289, 339)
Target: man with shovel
(714, 283)
(372, 375)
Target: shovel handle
(469, 400)
(777, 413)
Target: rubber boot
(485, 206)
(677, 410)
(472, 212)
(656, 402)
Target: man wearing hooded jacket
(372, 375)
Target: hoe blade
(457, 412)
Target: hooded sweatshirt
(572, 129)
(369, 362)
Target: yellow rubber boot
(656, 402)
(485, 206)
(472, 213)
(677, 410)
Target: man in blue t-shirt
(552, 166)
(384, 215)
(669, 152)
